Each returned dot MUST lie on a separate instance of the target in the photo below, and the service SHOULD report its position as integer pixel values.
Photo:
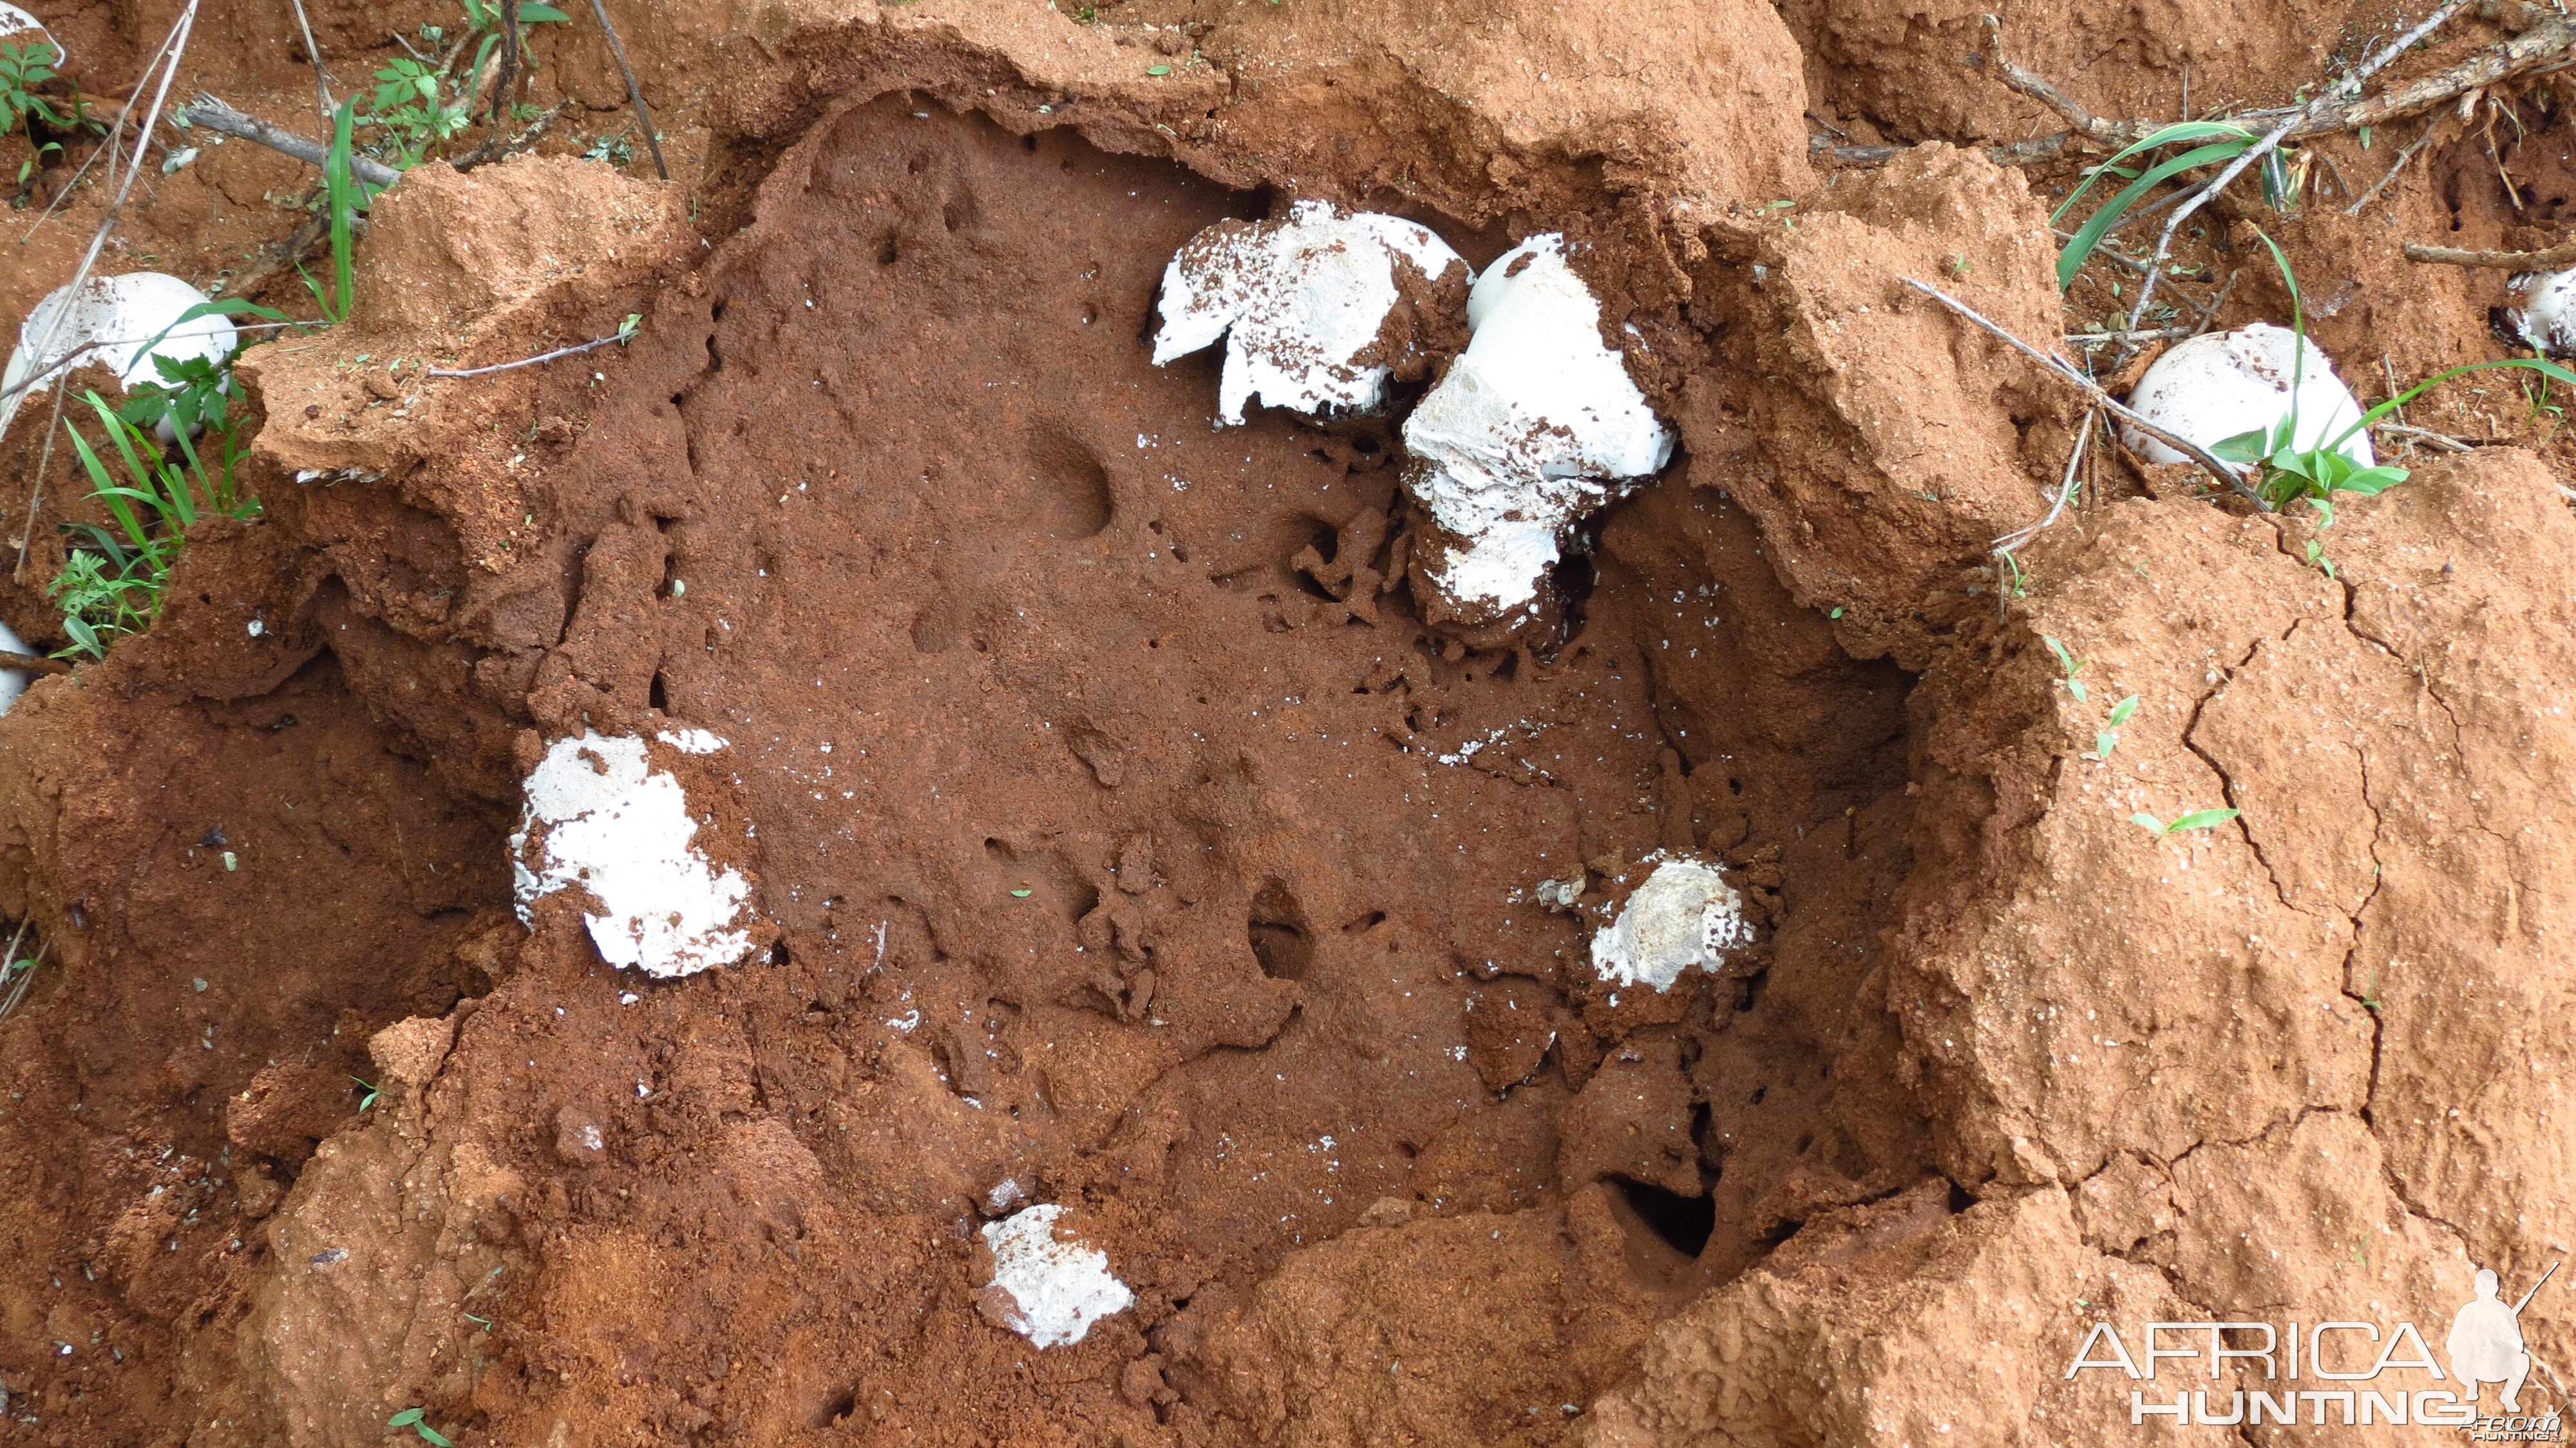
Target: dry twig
(214, 115)
(2350, 85)
(321, 82)
(2066, 371)
(634, 88)
(2560, 255)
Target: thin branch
(495, 136)
(574, 350)
(218, 117)
(2442, 440)
(321, 82)
(2560, 255)
(32, 663)
(2114, 134)
(2010, 153)
(2105, 339)
(2065, 492)
(634, 88)
(2060, 368)
(2348, 86)
(2395, 169)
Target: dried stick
(2066, 371)
(2271, 141)
(494, 136)
(574, 350)
(33, 663)
(2554, 256)
(166, 59)
(634, 88)
(215, 116)
(2013, 153)
(321, 82)
(2394, 170)
(2065, 492)
(2114, 134)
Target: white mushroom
(112, 321)
(1047, 1291)
(1529, 432)
(13, 682)
(598, 818)
(2546, 319)
(1304, 305)
(2218, 385)
(1684, 915)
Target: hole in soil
(1683, 1223)
(1071, 499)
(1278, 932)
(661, 696)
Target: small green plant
(22, 69)
(2107, 738)
(617, 148)
(112, 581)
(420, 106)
(2219, 143)
(2286, 473)
(2199, 819)
(411, 1418)
(2070, 663)
(369, 1099)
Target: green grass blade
(2163, 136)
(2099, 224)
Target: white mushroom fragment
(13, 682)
(1684, 915)
(19, 28)
(2544, 317)
(599, 818)
(1047, 1291)
(1534, 428)
(2218, 385)
(1318, 312)
(113, 321)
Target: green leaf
(2090, 234)
(2065, 660)
(431, 1436)
(532, 13)
(2075, 686)
(2370, 482)
(2104, 741)
(1158, 70)
(406, 1418)
(2244, 447)
(2121, 711)
(2147, 821)
(1022, 894)
(2201, 819)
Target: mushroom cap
(2217, 385)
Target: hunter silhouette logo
(2486, 1341)
(2364, 1373)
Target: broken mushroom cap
(1046, 1290)
(1319, 311)
(600, 819)
(2544, 317)
(17, 27)
(113, 321)
(13, 682)
(1683, 916)
(2218, 385)
(1530, 431)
